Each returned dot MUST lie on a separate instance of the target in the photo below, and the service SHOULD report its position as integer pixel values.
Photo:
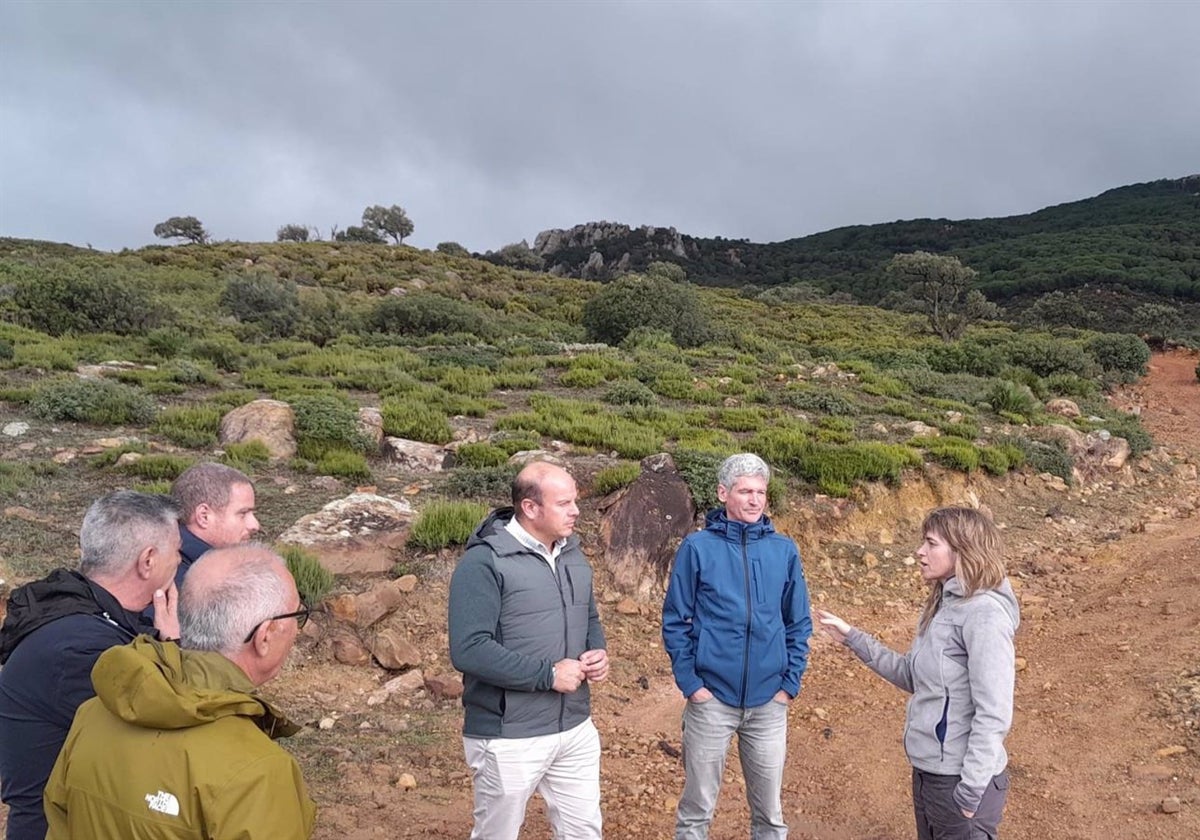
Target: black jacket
(53, 633)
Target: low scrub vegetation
(445, 523)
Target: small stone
(1174, 749)
(627, 606)
(1170, 805)
(870, 560)
(1021, 663)
(326, 723)
(406, 782)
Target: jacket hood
(717, 522)
(158, 685)
(1002, 595)
(493, 533)
(61, 593)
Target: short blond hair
(978, 553)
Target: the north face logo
(164, 803)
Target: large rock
(1063, 407)
(271, 421)
(380, 600)
(370, 424)
(415, 456)
(394, 652)
(358, 534)
(641, 527)
(1094, 453)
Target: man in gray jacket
(525, 632)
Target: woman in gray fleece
(960, 672)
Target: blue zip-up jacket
(736, 618)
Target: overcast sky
(492, 121)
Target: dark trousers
(938, 818)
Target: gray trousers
(939, 818)
(762, 747)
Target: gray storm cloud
(492, 121)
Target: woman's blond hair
(978, 556)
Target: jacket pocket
(579, 581)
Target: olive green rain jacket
(175, 745)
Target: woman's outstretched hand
(833, 625)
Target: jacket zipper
(562, 698)
(749, 617)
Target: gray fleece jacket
(511, 618)
(961, 673)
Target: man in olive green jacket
(176, 743)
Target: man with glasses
(177, 741)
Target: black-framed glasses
(301, 616)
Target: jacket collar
(730, 529)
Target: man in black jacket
(525, 632)
(57, 627)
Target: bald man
(177, 741)
(525, 632)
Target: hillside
(116, 370)
(1141, 242)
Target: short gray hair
(217, 615)
(205, 483)
(117, 527)
(740, 466)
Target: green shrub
(343, 463)
(1121, 354)
(1070, 385)
(998, 460)
(516, 381)
(615, 477)
(78, 300)
(740, 419)
(313, 581)
(1045, 355)
(1011, 397)
(233, 398)
(158, 467)
(815, 399)
(17, 395)
(326, 422)
(471, 382)
(952, 452)
(194, 427)
(415, 421)
(585, 424)
(270, 304)
(1044, 457)
(629, 392)
(651, 301)
(192, 372)
(97, 401)
(444, 523)
(224, 352)
(426, 313)
(581, 378)
(246, 456)
(699, 469)
(480, 455)
(492, 483)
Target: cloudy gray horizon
(492, 121)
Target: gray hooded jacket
(961, 673)
(511, 618)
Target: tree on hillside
(392, 221)
(652, 301)
(182, 227)
(940, 287)
(293, 233)
(354, 233)
(452, 249)
(516, 255)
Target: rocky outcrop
(356, 534)
(604, 250)
(270, 421)
(414, 456)
(642, 525)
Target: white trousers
(564, 768)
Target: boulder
(357, 534)
(271, 421)
(414, 456)
(642, 524)
(443, 686)
(394, 652)
(528, 456)
(1063, 407)
(370, 424)
(380, 600)
(348, 650)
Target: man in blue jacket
(216, 510)
(736, 626)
